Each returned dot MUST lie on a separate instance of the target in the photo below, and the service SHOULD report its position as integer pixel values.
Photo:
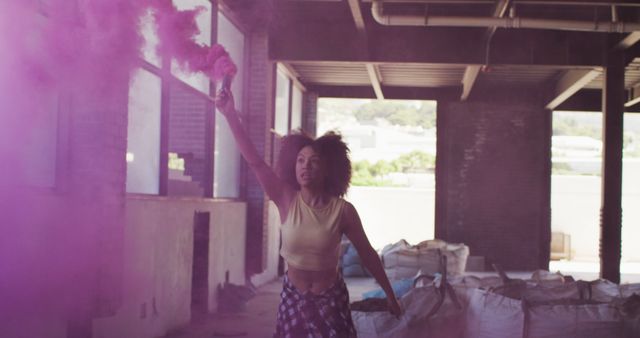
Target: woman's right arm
(277, 190)
(370, 259)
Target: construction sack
(536, 311)
(427, 315)
(630, 308)
(432, 310)
(351, 263)
(402, 260)
(627, 290)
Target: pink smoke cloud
(177, 31)
(85, 49)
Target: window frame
(168, 80)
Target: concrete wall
(61, 245)
(158, 264)
(272, 248)
(38, 265)
(493, 180)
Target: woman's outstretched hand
(224, 102)
(394, 306)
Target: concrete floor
(259, 320)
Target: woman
(313, 175)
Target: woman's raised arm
(277, 190)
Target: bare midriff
(314, 281)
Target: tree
(400, 113)
(415, 161)
(366, 174)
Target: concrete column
(611, 210)
(258, 119)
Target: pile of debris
(402, 260)
(450, 305)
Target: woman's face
(309, 168)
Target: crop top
(311, 236)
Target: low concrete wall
(158, 262)
(48, 263)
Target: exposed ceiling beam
(392, 93)
(590, 100)
(341, 42)
(468, 80)
(631, 3)
(292, 74)
(632, 53)
(634, 96)
(500, 10)
(356, 12)
(472, 71)
(586, 100)
(629, 40)
(569, 83)
(372, 69)
(375, 80)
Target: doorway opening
(393, 151)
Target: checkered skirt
(309, 315)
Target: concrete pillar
(258, 117)
(611, 210)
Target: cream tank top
(311, 236)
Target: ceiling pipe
(461, 21)
(589, 3)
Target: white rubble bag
(627, 290)
(630, 308)
(603, 290)
(628, 302)
(402, 260)
(559, 319)
(446, 322)
(544, 277)
(431, 311)
(536, 311)
(490, 315)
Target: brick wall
(95, 180)
(493, 180)
(258, 119)
(309, 112)
(187, 138)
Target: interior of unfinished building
(128, 211)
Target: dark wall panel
(493, 181)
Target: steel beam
(468, 80)
(570, 83)
(391, 92)
(340, 42)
